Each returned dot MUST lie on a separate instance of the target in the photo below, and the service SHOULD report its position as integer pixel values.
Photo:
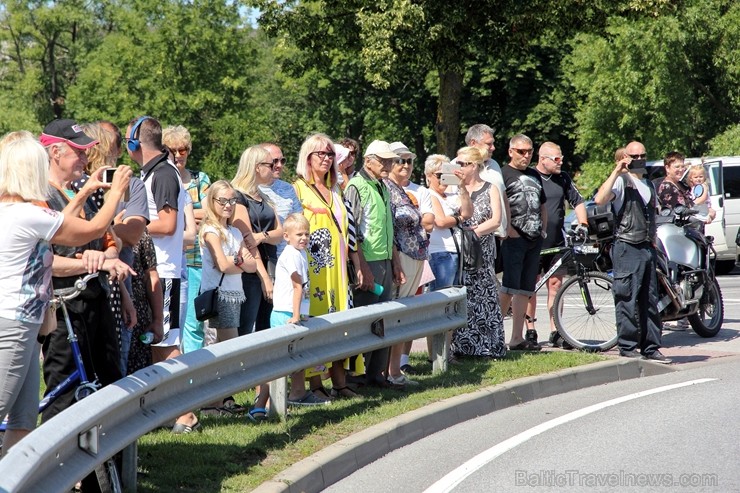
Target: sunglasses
(223, 201)
(556, 159)
(438, 175)
(323, 154)
(464, 164)
(638, 156)
(281, 160)
(270, 165)
(181, 151)
(523, 152)
(409, 161)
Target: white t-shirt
(422, 195)
(441, 239)
(210, 274)
(25, 260)
(492, 173)
(290, 261)
(164, 187)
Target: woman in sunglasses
(328, 251)
(484, 333)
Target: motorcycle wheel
(708, 320)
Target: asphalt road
(677, 435)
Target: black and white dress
(484, 334)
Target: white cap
(341, 152)
(381, 149)
(402, 150)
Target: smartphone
(449, 168)
(108, 175)
(449, 179)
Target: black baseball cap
(67, 131)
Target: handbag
(471, 251)
(206, 303)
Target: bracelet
(238, 260)
(267, 234)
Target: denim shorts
(521, 265)
(444, 266)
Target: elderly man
(521, 248)
(633, 256)
(369, 200)
(90, 313)
(558, 187)
(481, 137)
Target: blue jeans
(444, 266)
(192, 333)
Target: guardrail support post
(129, 467)
(279, 397)
(440, 350)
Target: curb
(339, 460)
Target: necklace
(546, 177)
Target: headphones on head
(134, 144)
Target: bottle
(377, 289)
(147, 337)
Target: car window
(732, 181)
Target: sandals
(257, 414)
(180, 428)
(343, 392)
(231, 407)
(321, 392)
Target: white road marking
(458, 475)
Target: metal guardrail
(70, 445)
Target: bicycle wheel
(588, 326)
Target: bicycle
(583, 309)
(106, 473)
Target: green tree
(657, 79)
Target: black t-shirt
(558, 189)
(526, 194)
(262, 218)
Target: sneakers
(402, 380)
(309, 399)
(630, 354)
(556, 340)
(531, 336)
(658, 357)
(409, 370)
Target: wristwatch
(238, 260)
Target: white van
(724, 186)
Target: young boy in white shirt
(290, 297)
(290, 292)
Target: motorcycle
(687, 284)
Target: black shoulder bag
(206, 303)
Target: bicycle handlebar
(66, 294)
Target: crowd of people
(352, 230)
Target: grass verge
(232, 454)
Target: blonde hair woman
(484, 333)
(259, 223)
(25, 266)
(328, 244)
